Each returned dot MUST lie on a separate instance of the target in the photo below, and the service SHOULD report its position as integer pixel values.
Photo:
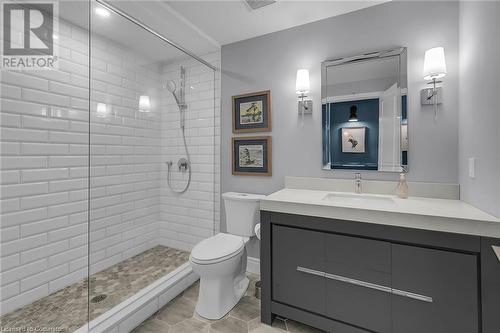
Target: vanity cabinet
(350, 277)
(291, 286)
(351, 262)
(490, 284)
(445, 285)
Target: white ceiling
(201, 26)
(230, 21)
(120, 30)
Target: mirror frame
(401, 53)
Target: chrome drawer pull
(344, 279)
(365, 284)
(358, 282)
(310, 271)
(412, 295)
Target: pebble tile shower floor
(66, 310)
(178, 316)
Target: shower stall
(109, 173)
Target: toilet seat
(217, 248)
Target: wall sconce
(101, 110)
(302, 86)
(103, 12)
(144, 103)
(353, 113)
(434, 69)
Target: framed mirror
(365, 112)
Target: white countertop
(415, 212)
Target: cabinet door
(355, 268)
(296, 255)
(443, 287)
(490, 284)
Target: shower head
(178, 96)
(171, 86)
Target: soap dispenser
(402, 186)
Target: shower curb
(127, 315)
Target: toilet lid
(217, 247)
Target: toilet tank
(242, 212)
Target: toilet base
(215, 300)
(222, 284)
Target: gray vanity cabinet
(293, 248)
(444, 291)
(350, 277)
(490, 284)
(349, 261)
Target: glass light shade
(144, 103)
(102, 12)
(434, 64)
(302, 84)
(101, 110)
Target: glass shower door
(108, 168)
(141, 230)
(44, 167)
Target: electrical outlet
(472, 167)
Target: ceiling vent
(256, 4)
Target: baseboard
(253, 265)
(132, 312)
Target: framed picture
(252, 112)
(353, 139)
(251, 156)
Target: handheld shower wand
(172, 88)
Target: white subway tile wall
(188, 218)
(44, 166)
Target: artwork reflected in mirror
(353, 140)
(364, 112)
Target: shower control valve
(183, 164)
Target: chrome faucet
(358, 185)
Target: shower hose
(187, 166)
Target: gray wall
(480, 104)
(271, 61)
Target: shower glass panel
(109, 168)
(44, 176)
(152, 155)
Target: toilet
(221, 260)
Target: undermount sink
(353, 198)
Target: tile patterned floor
(179, 316)
(66, 310)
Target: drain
(98, 298)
